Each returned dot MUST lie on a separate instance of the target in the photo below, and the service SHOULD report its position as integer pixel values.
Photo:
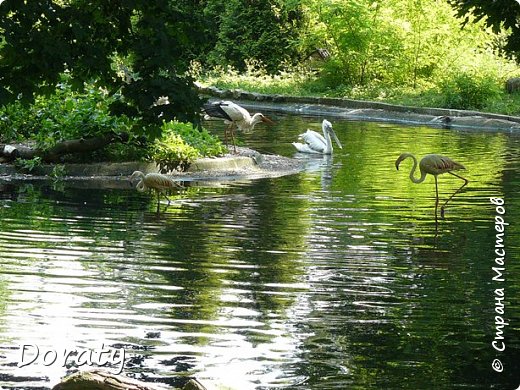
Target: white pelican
(317, 143)
(234, 116)
(434, 164)
(153, 181)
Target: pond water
(334, 278)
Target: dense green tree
(400, 43)
(140, 48)
(497, 14)
(363, 38)
(263, 31)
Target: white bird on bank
(234, 116)
(153, 181)
(317, 143)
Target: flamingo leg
(168, 199)
(436, 197)
(159, 194)
(466, 181)
(158, 200)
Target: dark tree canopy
(497, 14)
(265, 31)
(41, 39)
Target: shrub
(205, 144)
(172, 153)
(28, 166)
(468, 91)
(66, 114)
(180, 144)
(13, 119)
(69, 115)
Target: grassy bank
(466, 90)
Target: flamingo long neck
(423, 173)
(140, 185)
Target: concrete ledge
(126, 168)
(246, 164)
(7, 170)
(222, 163)
(85, 170)
(367, 110)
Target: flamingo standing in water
(154, 181)
(317, 143)
(234, 116)
(434, 164)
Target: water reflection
(329, 279)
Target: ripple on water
(334, 278)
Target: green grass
(464, 91)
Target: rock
(102, 380)
(193, 384)
(513, 85)
(258, 96)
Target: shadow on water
(338, 277)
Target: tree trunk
(11, 152)
(54, 154)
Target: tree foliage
(141, 50)
(497, 14)
(153, 41)
(264, 31)
(362, 38)
(392, 43)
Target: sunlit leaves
(62, 116)
(496, 14)
(180, 144)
